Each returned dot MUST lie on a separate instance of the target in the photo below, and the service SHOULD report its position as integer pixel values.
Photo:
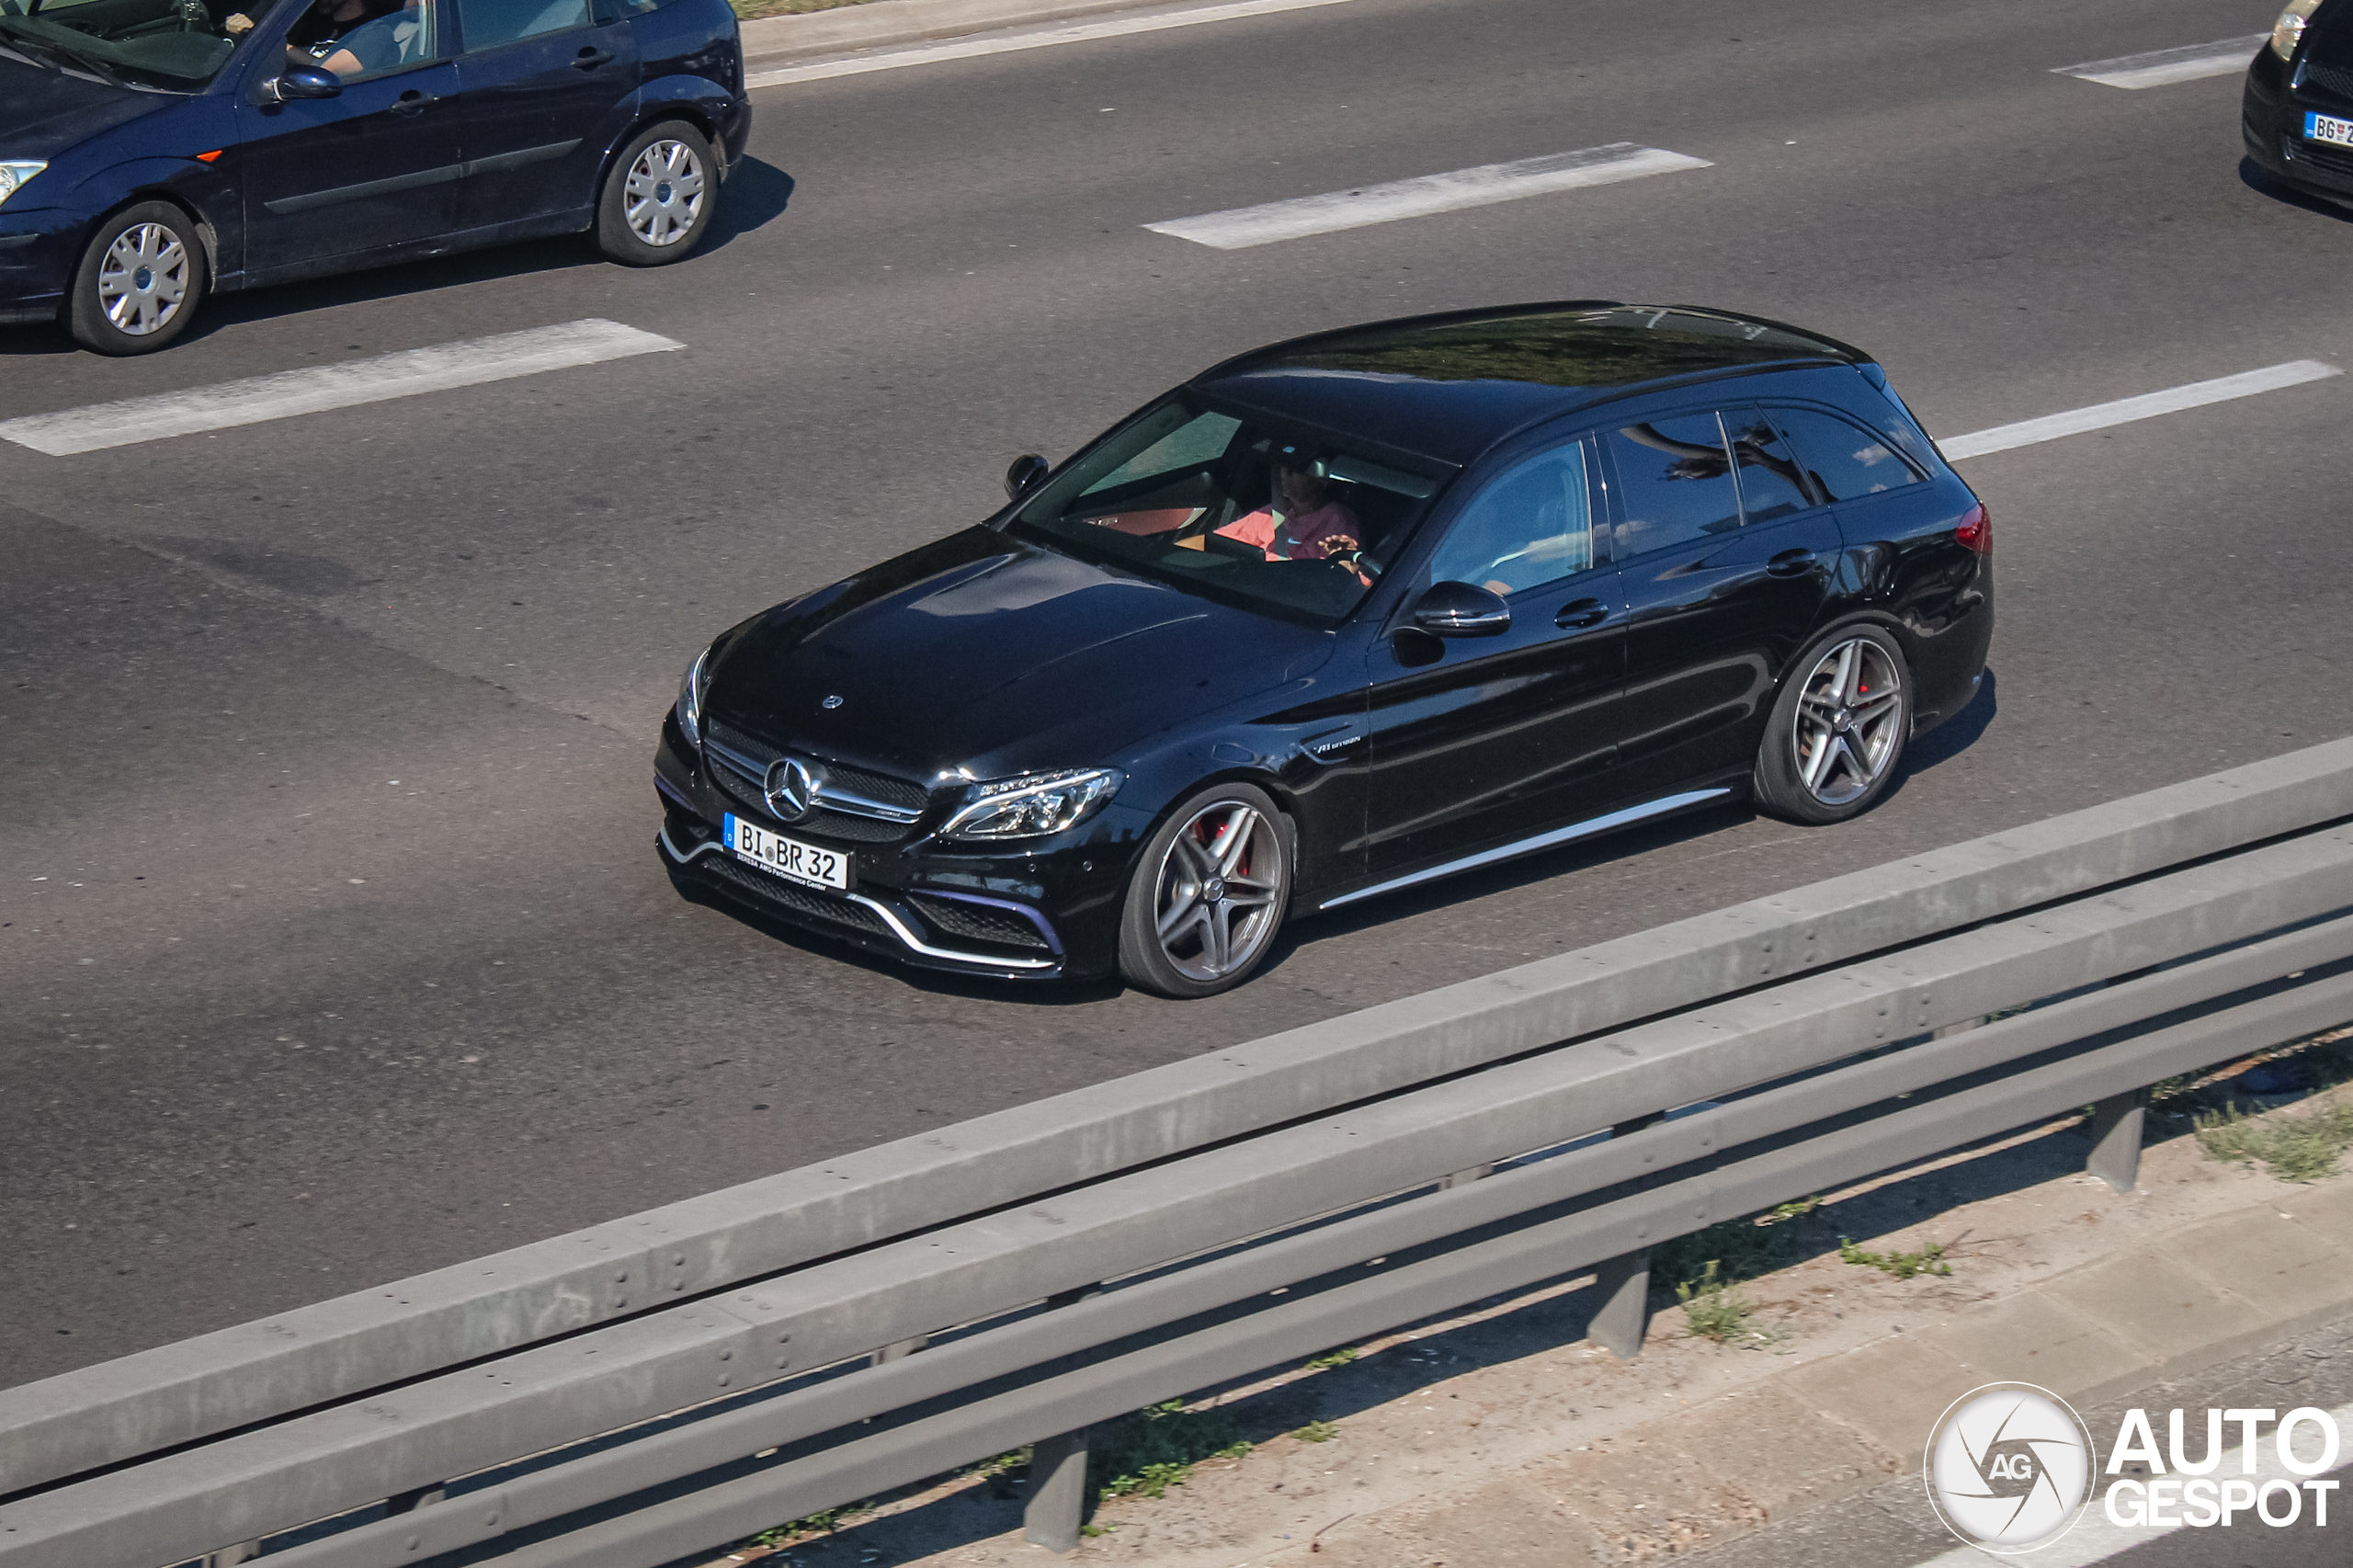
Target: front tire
(1839, 728)
(1207, 894)
(658, 196)
(139, 282)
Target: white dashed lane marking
(288, 392)
(1010, 43)
(2225, 57)
(2124, 411)
(1240, 227)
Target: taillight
(1976, 530)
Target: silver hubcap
(1850, 717)
(143, 280)
(1220, 891)
(662, 195)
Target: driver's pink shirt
(1301, 538)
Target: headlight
(2289, 27)
(13, 174)
(1034, 804)
(690, 692)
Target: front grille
(864, 807)
(979, 922)
(793, 896)
(2331, 78)
(2336, 162)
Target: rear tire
(1839, 728)
(140, 281)
(1207, 894)
(658, 196)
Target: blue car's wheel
(658, 196)
(139, 282)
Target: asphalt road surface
(334, 945)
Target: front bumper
(2271, 124)
(37, 253)
(1044, 910)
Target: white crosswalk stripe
(2124, 411)
(288, 392)
(1240, 227)
(2161, 67)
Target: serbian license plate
(786, 857)
(2328, 128)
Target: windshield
(176, 45)
(1287, 521)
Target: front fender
(210, 191)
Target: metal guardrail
(1324, 1163)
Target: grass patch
(1930, 1259)
(1317, 1432)
(748, 9)
(1144, 1454)
(1714, 1308)
(1331, 1358)
(1735, 1250)
(823, 1522)
(2293, 1145)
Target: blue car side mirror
(1461, 609)
(307, 81)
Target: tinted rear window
(1842, 459)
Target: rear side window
(1674, 482)
(1842, 459)
(1772, 485)
(1533, 525)
(489, 23)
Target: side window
(1674, 482)
(1771, 484)
(489, 23)
(1530, 525)
(1843, 460)
(409, 35)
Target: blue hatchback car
(151, 151)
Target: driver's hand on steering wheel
(236, 24)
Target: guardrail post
(901, 1349)
(229, 1556)
(1623, 1282)
(2116, 1139)
(1464, 1178)
(1057, 1491)
(1057, 1503)
(409, 1502)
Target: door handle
(1791, 563)
(411, 102)
(592, 57)
(1579, 613)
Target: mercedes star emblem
(791, 789)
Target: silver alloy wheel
(1849, 721)
(1220, 891)
(144, 280)
(662, 195)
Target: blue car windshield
(172, 45)
(1280, 519)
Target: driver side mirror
(1027, 472)
(303, 81)
(1461, 609)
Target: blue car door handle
(411, 102)
(1791, 563)
(1579, 613)
(592, 57)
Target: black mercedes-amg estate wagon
(1337, 618)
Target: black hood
(985, 653)
(45, 112)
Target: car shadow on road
(2258, 179)
(757, 193)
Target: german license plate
(2328, 128)
(786, 858)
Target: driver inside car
(343, 36)
(1302, 521)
